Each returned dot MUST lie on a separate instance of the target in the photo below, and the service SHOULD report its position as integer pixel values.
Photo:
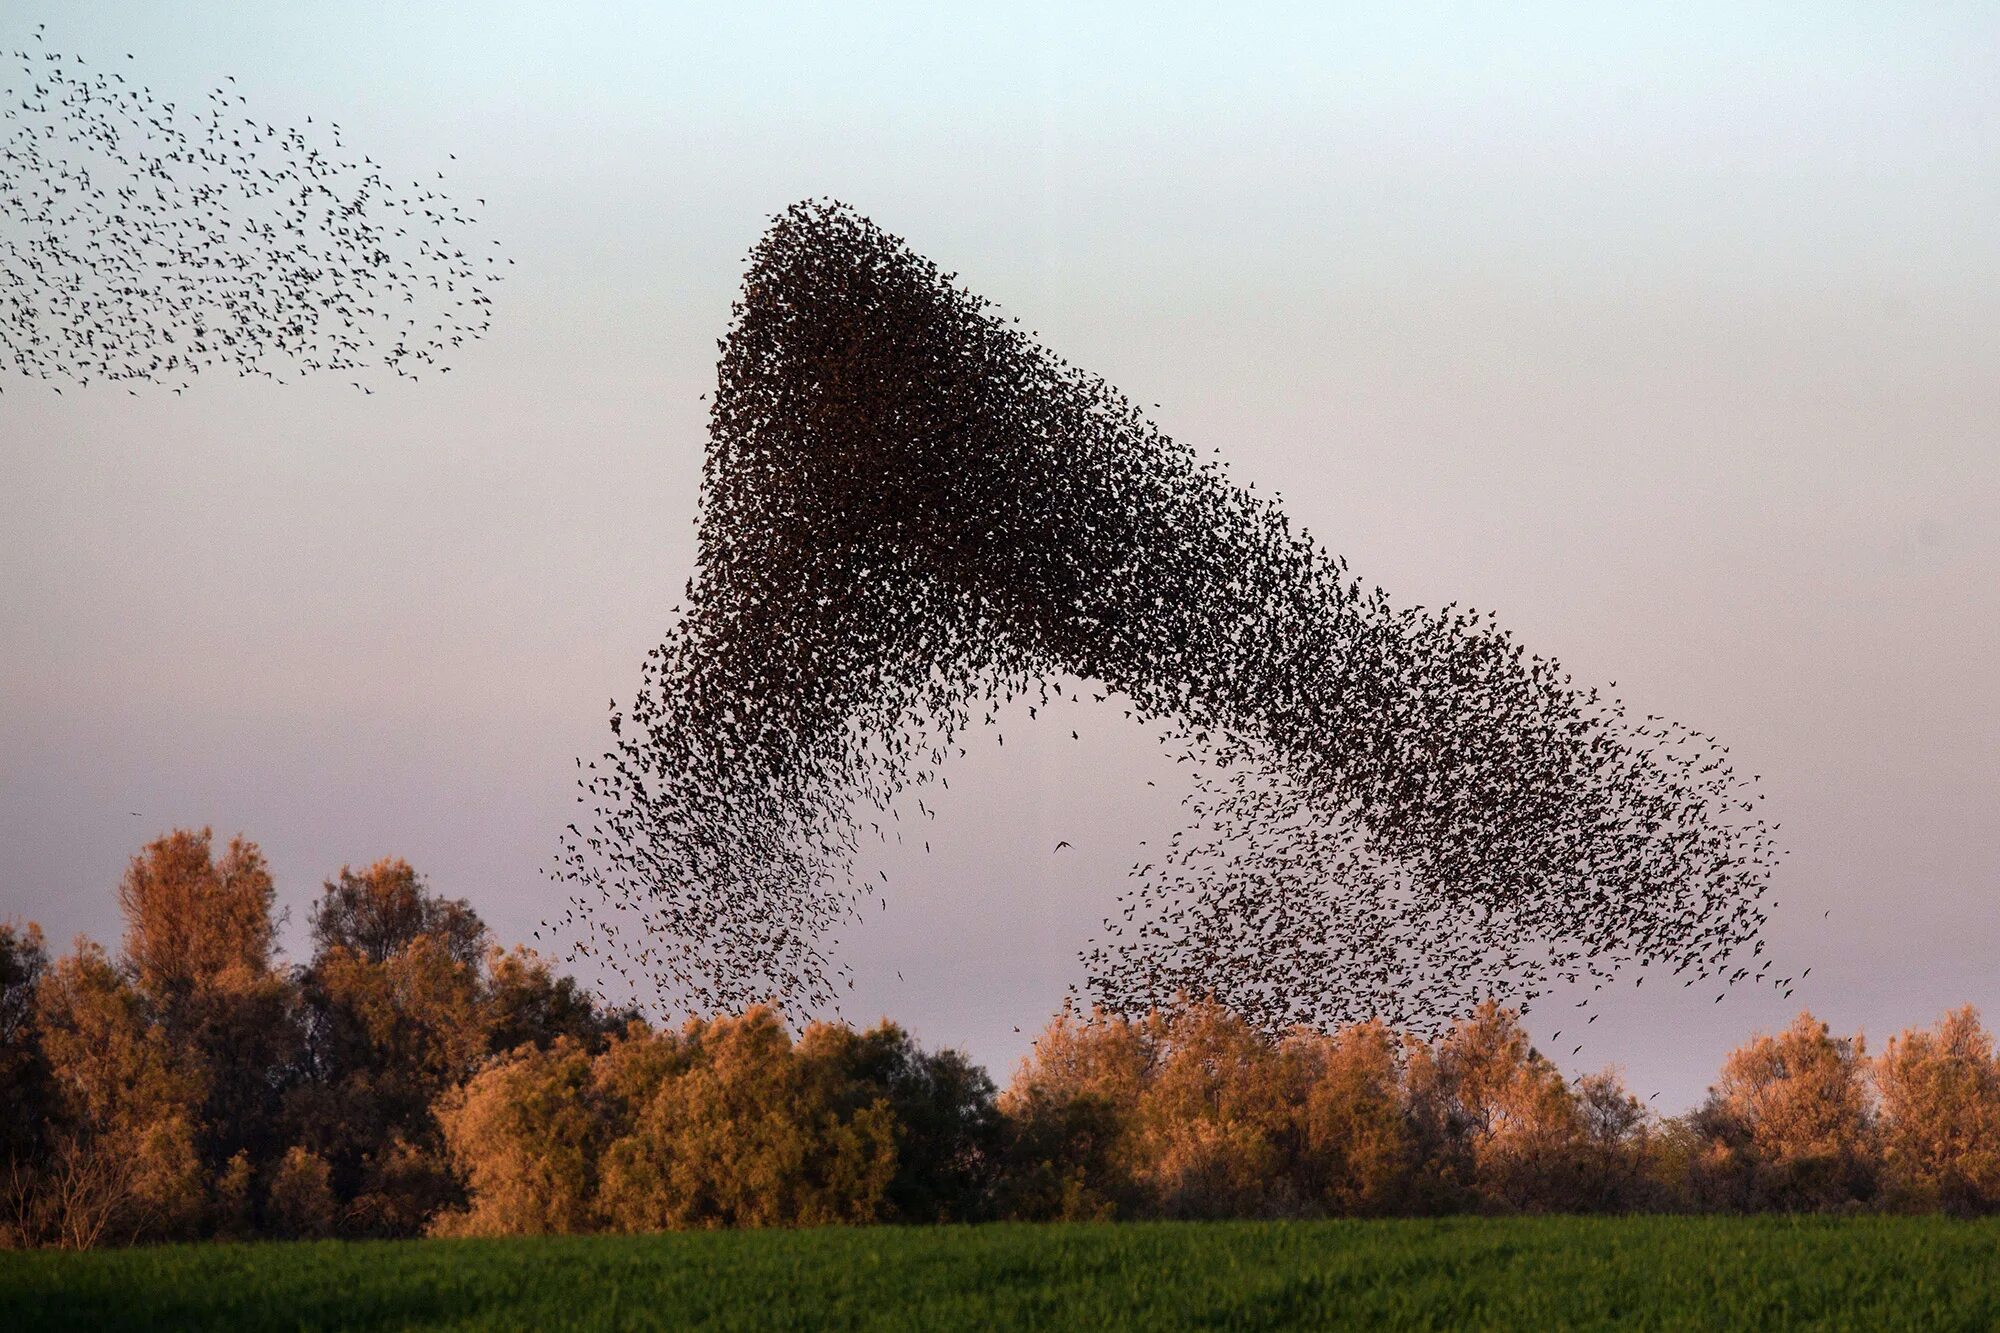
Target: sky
(1666, 334)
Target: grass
(1541, 1273)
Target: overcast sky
(1668, 335)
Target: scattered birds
(912, 513)
(152, 236)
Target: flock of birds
(148, 239)
(912, 513)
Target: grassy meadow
(1562, 1272)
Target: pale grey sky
(1668, 335)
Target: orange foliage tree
(189, 917)
(1357, 1138)
(727, 1122)
(124, 1110)
(1940, 1093)
(1790, 1124)
(411, 1076)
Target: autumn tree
(1212, 1129)
(300, 1202)
(1067, 1117)
(189, 917)
(392, 1001)
(947, 1128)
(1614, 1154)
(1940, 1116)
(386, 1040)
(749, 1130)
(404, 1000)
(121, 1162)
(1357, 1145)
(162, 1070)
(26, 1104)
(527, 1134)
(1791, 1118)
(376, 913)
(1500, 1117)
(526, 1003)
(199, 935)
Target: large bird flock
(912, 513)
(148, 239)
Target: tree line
(412, 1078)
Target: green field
(1862, 1273)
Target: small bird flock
(150, 238)
(912, 513)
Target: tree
(742, 1128)
(124, 1103)
(302, 1204)
(1516, 1124)
(942, 1105)
(376, 913)
(1791, 1112)
(386, 1040)
(239, 1034)
(26, 1094)
(198, 943)
(1212, 1126)
(24, 1071)
(1067, 1120)
(527, 1134)
(234, 1215)
(394, 1017)
(1358, 1146)
(405, 1000)
(525, 1003)
(189, 917)
(1940, 1125)
(1615, 1148)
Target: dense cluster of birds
(912, 513)
(148, 239)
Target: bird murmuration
(911, 512)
